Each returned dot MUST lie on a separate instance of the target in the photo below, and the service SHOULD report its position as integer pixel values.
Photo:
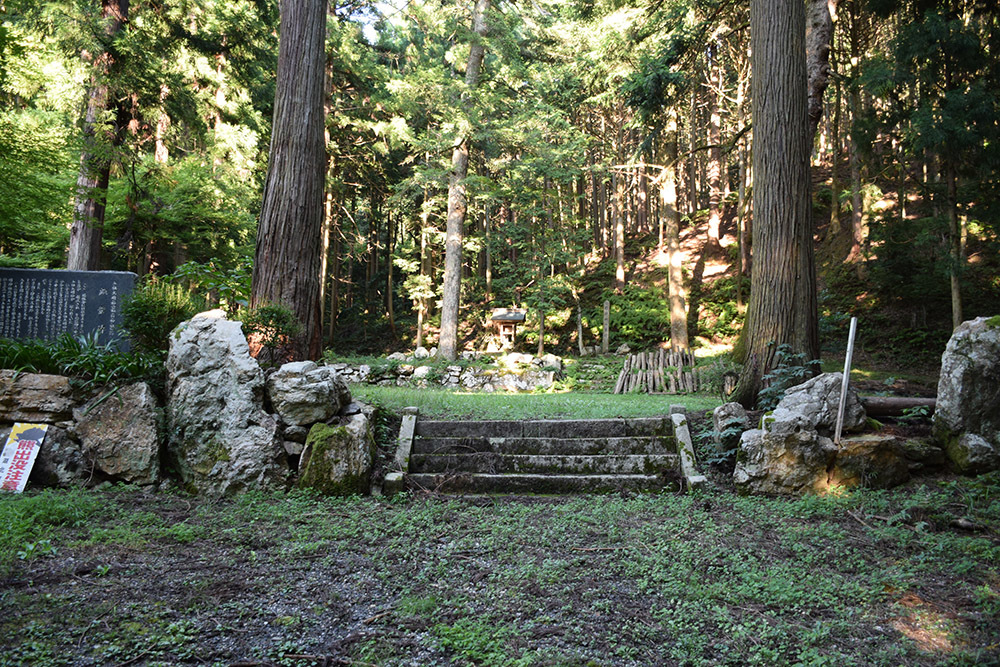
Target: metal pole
(846, 380)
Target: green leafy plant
(82, 358)
(271, 326)
(152, 311)
(229, 286)
(915, 414)
(790, 369)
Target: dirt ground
(126, 577)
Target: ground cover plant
(123, 576)
(443, 403)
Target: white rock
(813, 406)
(303, 393)
(220, 439)
(967, 416)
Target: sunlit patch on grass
(931, 628)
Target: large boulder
(34, 397)
(813, 406)
(873, 461)
(337, 460)
(303, 393)
(967, 416)
(119, 434)
(219, 438)
(792, 462)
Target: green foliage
(31, 521)
(152, 311)
(82, 358)
(789, 369)
(639, 315)
(213, 280)
(271, 326)
(35, 175)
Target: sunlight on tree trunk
(452, 287)
(286, 262)
(782, 307)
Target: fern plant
(790, 369)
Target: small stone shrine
(38, 303)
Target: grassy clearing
(444, 403)
(857, 579)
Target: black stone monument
(38, 303)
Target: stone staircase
(542, 456)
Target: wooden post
(846, 380)
(606, 339)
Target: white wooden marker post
(846, 380)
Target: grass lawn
(444, 403)
(906, 577)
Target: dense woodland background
(609, 150)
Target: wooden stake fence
(659, 372)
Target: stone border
(685, 450)
(395, 481)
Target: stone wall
(513, 372)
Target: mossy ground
(910, 576)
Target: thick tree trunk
(782, 307)
(820, 15)
(95, 162)
(452, 286)
(715, 149)
(286, 263)
(956, 244)
(672, 221)
(835, 163)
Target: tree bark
(672, 219)
(619, 232)
(820, 15)
(95, 159)
(452, 287)
(286, 263)
(782, 307)
(714, 170)
(956, 244)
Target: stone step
(547, 428)
(493, 463)
(550, 446)
(546, 484)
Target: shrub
(152, 311)
(790, 369)
(269, 328)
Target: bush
(271, 327)
(152, 311)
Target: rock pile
(514, 372)
(794, 453)
(225, 430)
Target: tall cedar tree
(452, 287)
(782, 307)
(95, 161)
(287, 259)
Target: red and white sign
(19, 455)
